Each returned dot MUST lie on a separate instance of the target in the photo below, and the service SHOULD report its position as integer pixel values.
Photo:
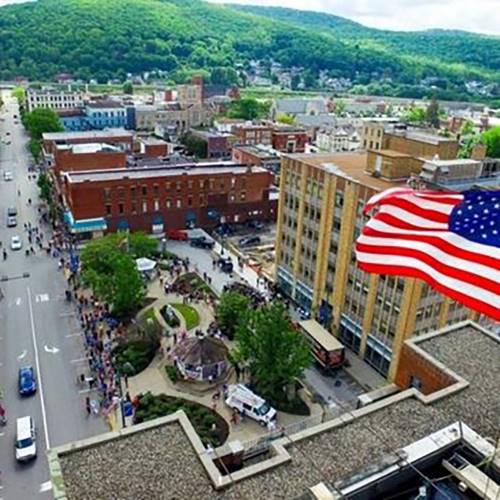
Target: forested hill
(454, 46)
(106, 39)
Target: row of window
(105, 114)
(178, 186)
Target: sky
(481, 16)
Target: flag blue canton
(477, 217)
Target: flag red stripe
(466, 300)
(440, 243)
(459, 274)
(392, 220)
(425, 213)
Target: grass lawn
(190, 315)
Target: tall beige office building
(320, 216)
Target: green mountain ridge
(106, 39)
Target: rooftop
(152, 141)
(104, 104)
(351, 165)
(150, 459)
(419, 135)
(88, 148)
(88, 134)
(262, 152)
(160, 171)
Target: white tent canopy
(145, 265)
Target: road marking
(45, 486)
(52, 350)
(22, 355)
(37, 363)
(85, 391)
(76, 334)
(80, 360)
(42, 297)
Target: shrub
(173, 373)
(170, 316)
(135, 355)
(190, 315)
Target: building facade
(53, 99)
(288, 139)
(253, 134)
(319, 218)
(158, 198)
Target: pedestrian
(87, 406)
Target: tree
(295, 82)
(415, 115)
(275, 353)
(432, 113)
(248, 108)
(112, 273)
(195, 145)
(232, 307)
(128, 88)
(467, 128)
(40, 121)
(339, 107)
(20, 94)
(310, 80)
(491, 139)
(286, 119)
(142, 245)
(45, 185)
(224, 76)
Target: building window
(107, 193)
(178, 186)
(121, 193)
(144, 190)
(133, 208)
(144, 207)
(156, 205)
(179, 203)
(132, 191)
(202, 200)
(108, 208)
(190, 184)
(168, 186)
(190, 201)
(233, 181)
(120, 208)
(243, 195)
(155, 189)
(232, 197)
(168, 203)
(202, 184)
(415, 382)
(211, 183)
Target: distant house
(338, 139)
(295, 106)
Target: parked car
(7, 175)
(12, 211)
(225, 264)
(177, 234)
(11, 221)
(202, 242)
(16, 243)
(247, 403)
(255, 224)
(249, 241)
(27, 381)
(25, 444)
(224, 229)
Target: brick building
(261, 156)
(158, 198)
(118, 137)
(217, 144)
(287, 139)
(320, 217)
(151, 147)
(253, 134)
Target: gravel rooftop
(161, 464)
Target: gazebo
(146, 267)
(201, 359)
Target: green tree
(339, 107)
(195, 145)
(112, 273)
(40, 121)
(432, 113)
(295, 82)
(128, 88)
(415, 115)
(142, 245)
(310, 80)
(274, 352)
(20, 94)
(467, 128)
(45, 185)
(232, 307)
(285, 118)
(248, 108)
(491, 139)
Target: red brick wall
(66, 161)
(281, 139)
(155, 150)
(411, 363)
(245, 158)
(87, 200)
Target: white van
(245, 402)
(25, 439)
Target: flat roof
(456, 161)
(261, 152)
(321, 335)
(87, 134)
(420, 135)
(348, 165)
(155, 459)
(104, 104)
(152, 141)
(146, 172)
(391, 153)
(87, 148)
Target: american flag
(449, 240)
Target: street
(37, 327)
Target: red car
(177, 234)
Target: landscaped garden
(191, 283)
(189, 313)
(170, 316)
(210, 427)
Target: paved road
(37, 327)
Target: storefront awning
(84, 225)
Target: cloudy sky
(481, 16)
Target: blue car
(27, 381)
